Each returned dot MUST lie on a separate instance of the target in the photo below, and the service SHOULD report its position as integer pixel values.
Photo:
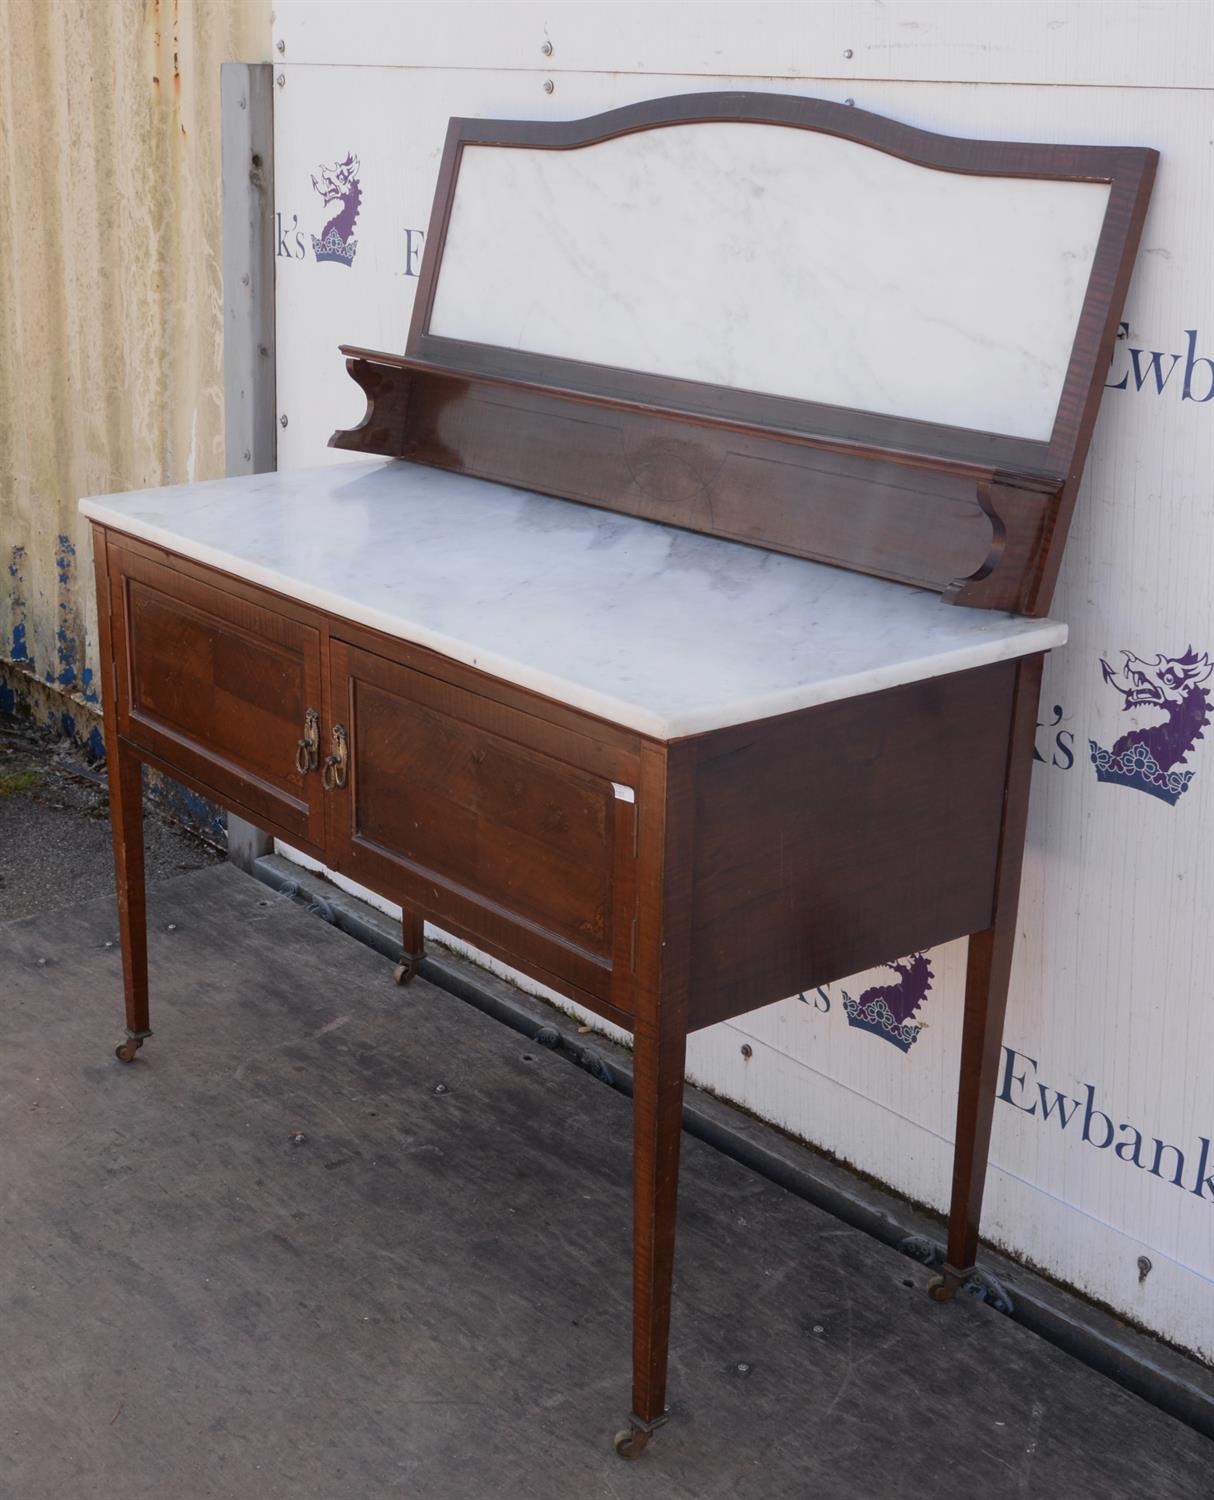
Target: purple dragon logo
(1147, 759)
(886, 1009)
(339, 184)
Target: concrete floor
(273, 1258)
(55, 827)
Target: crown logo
(333, 247)
(1137, 767)
(887, 1009)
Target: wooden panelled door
(222, 689)
(496, 825)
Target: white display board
(1103, 1147)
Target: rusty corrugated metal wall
(111, 301)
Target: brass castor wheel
(942, 1288)
(125, 1051)
(406, 970)
(629, 1442)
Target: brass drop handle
(333, 772)
(307, 752)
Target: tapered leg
(666, 837)
(126, 823)
(126, 819)
(657, 1112)
(988, 972)
(413, 947)
(986, 983)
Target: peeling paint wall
(111, 301)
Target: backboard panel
(777, 260)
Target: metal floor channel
(328, 1238)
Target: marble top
(767, 258)
(664, 631)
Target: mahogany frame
(878, 854)
(430, 404)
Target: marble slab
(664, 631)
(779, 260)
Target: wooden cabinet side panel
(840, 837)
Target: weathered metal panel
(247, 140)
(111, 328)
(250, 424)
(1108, 1015)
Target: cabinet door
(499, 827)
(219, 689)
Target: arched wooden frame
(980, 516)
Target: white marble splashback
(664, 631)
(778, 260)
